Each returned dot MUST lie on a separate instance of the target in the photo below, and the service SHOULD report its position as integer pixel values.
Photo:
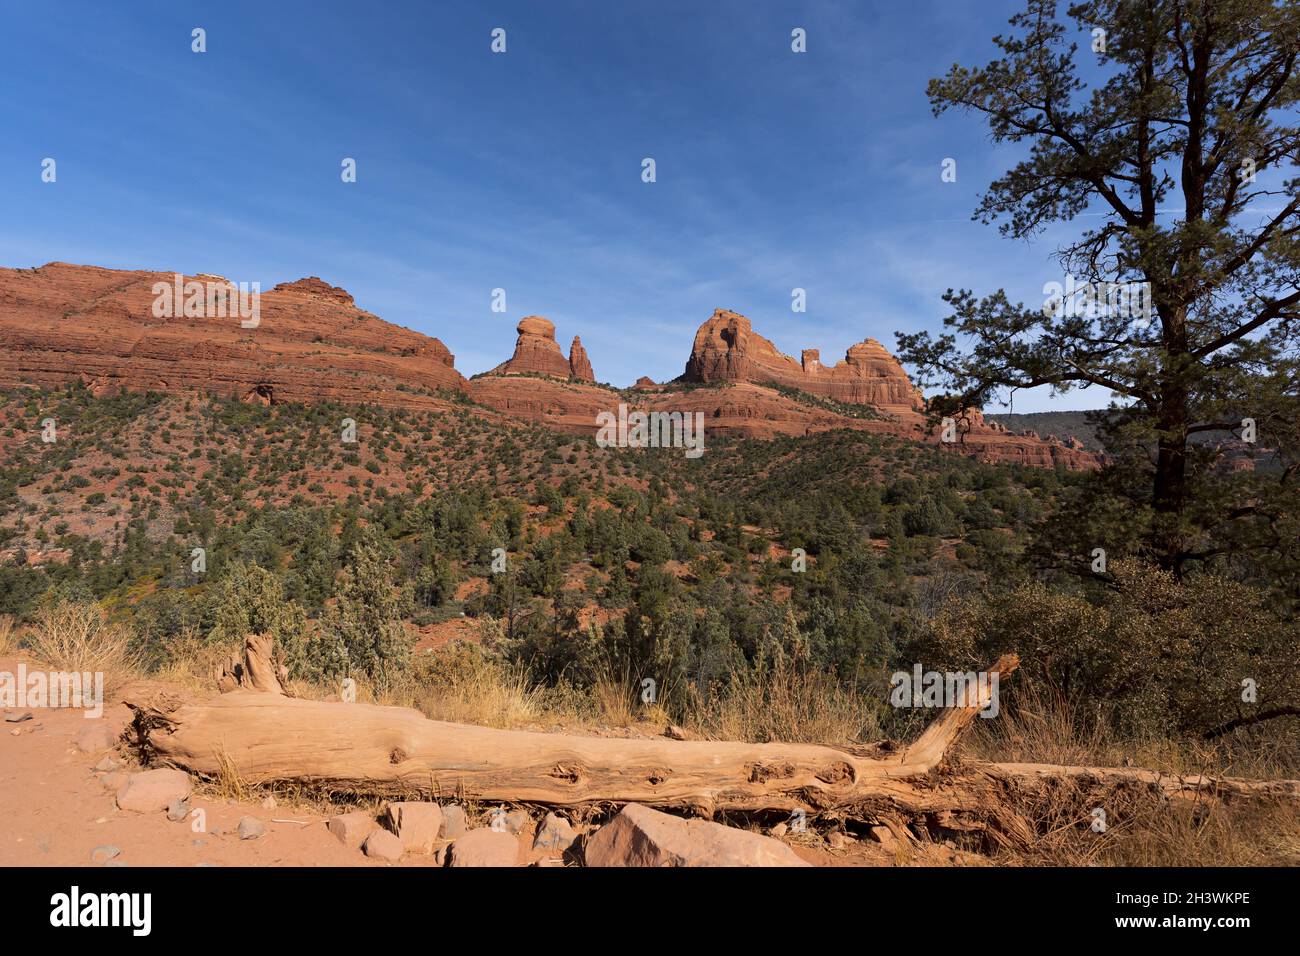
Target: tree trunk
(1169, 490)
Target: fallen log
(267, 738)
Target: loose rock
(351, 829)
(484, 848)
(416, 824)
(639, 836)
(96, 738)
(251, 828)
(885, 837)
(151, 791)
(453, 821)
(513, 821)
(382, 845)
(555, 834)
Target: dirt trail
(56, 811)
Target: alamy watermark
(1074, 299)
(208, 300)
(133, 911)
(66, 689)
(651, 430)
(922, 688)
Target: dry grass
(1142, 830)
(229, 784)
(465, 685)
(72, 636)
(616, 700)
(786, 704)
(192, 662)
(8, 634)
(1047, 727)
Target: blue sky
(522, 170)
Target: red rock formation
(537, 353)
(727, 349)
(536, 350)
(65, 322)
(579, 364)
(755, 411)
(62, 323)
(316, 288)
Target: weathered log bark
(267, 738)
(255, 669)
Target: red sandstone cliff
(65, 322)
(727, 349)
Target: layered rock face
(536, 350)
(310, 342)
(63, 323)
(537, 353)
(756, 411)
(579, 364)
(727, 349)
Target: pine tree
(1182, 151)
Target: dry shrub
(1147, 830)
(192, 662)
(786, 703)
(76, 636)
(1045, 726)
(1150, 650)
(466, 684)
(1042, 724)
(8, 634)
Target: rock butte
(727, 349)
(537, 353)
(62, 323)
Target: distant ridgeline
(1061, 424)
